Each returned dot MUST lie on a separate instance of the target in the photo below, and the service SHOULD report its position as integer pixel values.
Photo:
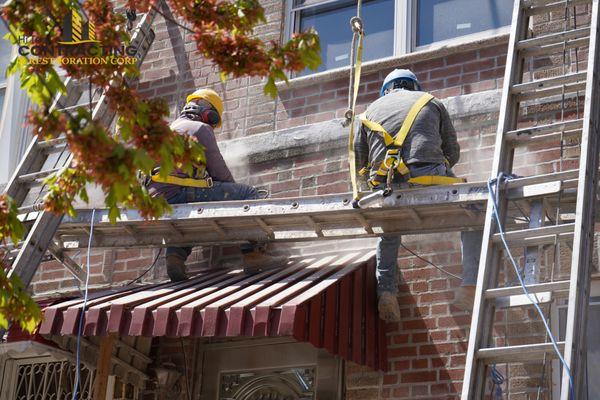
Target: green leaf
(143, 161)
(223, 76)
(270, 88)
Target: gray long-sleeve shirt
(432, 138)
(215, 164)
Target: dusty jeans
(387, 246)
(220, 191)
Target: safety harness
(393, 162)
(199, 178)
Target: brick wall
(427, 349)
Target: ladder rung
(554, 38)
(553, 91)
(525, 235)
(31, 208)
(533, 7)
(548, 138)
(554, 48)
(531, 131)
(521, 353)
(44, 144)
(532, 180)
(34, 176)
(535, 288)
(76, 106)
(547, 83)
(534, 190)
(520, 300)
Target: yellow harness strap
(200, 170)
(375, 127)
(174, 180)
(410, 118)
(428, 180)
(393, 158)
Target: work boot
(257, 260)
(464, 297)
(176, 268)
(388, 307)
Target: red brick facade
(427, 349)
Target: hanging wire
(430, 263)
(147, 269)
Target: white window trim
(557, 305)
(405, 35)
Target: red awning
(327, 300)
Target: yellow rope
(351, 155)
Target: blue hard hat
(396, 75)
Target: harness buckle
(392, 158)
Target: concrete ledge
(291, 142)
(392, 62)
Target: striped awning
(328, 300)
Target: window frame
(405, 29)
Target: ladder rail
(581, 261)
(35, 157)
(581, 231)
(483, 316)
(41, 234)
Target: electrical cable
(502, 177)
(147, 269)
(430, 263)
(82, 314)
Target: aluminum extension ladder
(45, 157)
(516, 93)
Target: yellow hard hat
(212, 97)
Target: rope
(355, 69)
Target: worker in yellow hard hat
(202, 113)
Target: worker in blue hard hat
(399, 78)
(407, 138)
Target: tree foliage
(111, 158)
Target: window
(439, 20)
(331, 20)
(395, 27)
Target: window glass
(331, 20)
(593, 344)
(439, 20)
